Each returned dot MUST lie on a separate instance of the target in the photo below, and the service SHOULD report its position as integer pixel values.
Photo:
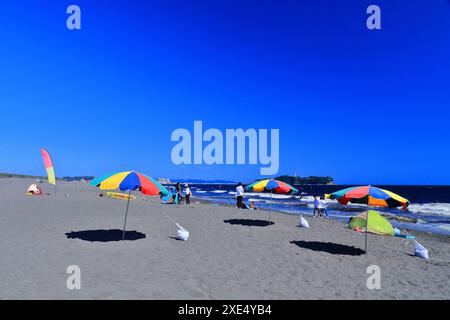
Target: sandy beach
(229, 255)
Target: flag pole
(126, 214)
(55, 178)
(54, 174)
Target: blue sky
(358, 105)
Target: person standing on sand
(239, 195)
(316, 207)
(178, 191)
(187, 193)
(322, 206)
(319, 207)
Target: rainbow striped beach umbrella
(129, 181)
(272, 186)
(371, 196)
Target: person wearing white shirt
(187, 193)
(316, 207)
(322, 206)
(239, 196)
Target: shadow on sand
(249, 222)
(105, 235)
(175, 238)
(329, 247)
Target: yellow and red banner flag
(48, 166)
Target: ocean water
(429, 208)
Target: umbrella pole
(367, 230)
(126, 214)
(270, 210)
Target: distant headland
(314, 180)
(292, 180)
(17, 175)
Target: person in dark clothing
(178, 191)
(239, 196)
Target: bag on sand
(303, 223)
(34, 189)
(182, 233)
(420, 251)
